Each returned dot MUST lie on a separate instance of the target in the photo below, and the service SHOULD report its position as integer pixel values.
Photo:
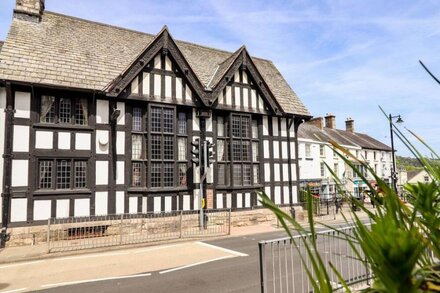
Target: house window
(308, 150)
(63, 110)
(322, 150)
(375, 155)
(322, 170)
(426, 178)
(165, 131)
(237, 154)
(335, 168)
(62, 177)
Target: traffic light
(197, 153)
(210, 153)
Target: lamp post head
(399, 119)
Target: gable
(161, 80)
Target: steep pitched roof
(72, 52)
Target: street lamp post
(393, 172)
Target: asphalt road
(237, 274)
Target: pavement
(39, 251)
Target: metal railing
(282, 270)
(75, 233)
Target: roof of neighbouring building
(67, 51)
(413, 173)
(342, 137)
(1, 44)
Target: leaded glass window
(137, 119)
(136, 147)
(46, 169)
(81, 112)
(54, 109)
(80, 174)
(65, 113)
(63, 174)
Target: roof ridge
(148, 34)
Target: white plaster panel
(167, 63)
(277, 195)
(102, 111)
(285, 194)
(101, 177)
(63, 208)
(146, 84)
(82, 207)
(20, 172)
(18, 209)
(239, 198)
(283, 127)
(178, 89)
(120, 172)
(196, 199)
(294, 194)
(285, 172)
(267, 172)
(292, 149)
(275, 126)
(260, 103)
(157, 85)
(44, 140)
(135, 86)
(121, 118)
(102, 142)
(157, 205)
(265, 125)
(292, 131)
(186, 202)
(209, 124)
(237, 96)
(228, 200)
(237, 76)
(285, 150)
(168, 87)
(144, 204)
(247, 200)
(21, 138)
(120, 142)
(42, 209)
(22, 105)
(188, 93)
(266, 149)
(276, 172)
(133, 205)
(245, 77)
(293, 170)
(120, 202)
(64, 140)
(221, 98)
(168, 206)
(157, 62)
(254, 99)
(228, 96)
(276, 149)
(101, 203)
(219, 199)
(245, 98)
(83, 141)
(196, 125)
(267, 191)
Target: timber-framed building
(97, 120)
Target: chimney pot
(330, 121)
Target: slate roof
(413, 173)
(67, 51)
(342, 137)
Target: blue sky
(341, 57)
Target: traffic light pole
(203, 169)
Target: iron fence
(282, 270)
(75, 233)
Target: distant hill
(410, 164)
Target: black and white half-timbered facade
(99, 120)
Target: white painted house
(316, 155)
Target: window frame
(72, 176)
(73, 102)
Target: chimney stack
(30, 10)
(330, 121)
(316, 121)
(349, 124)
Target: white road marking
(195, 264)
(156, 248)
(20, 264)
(95, 280)
(222, 249)
(90, 255)
(15, 290)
